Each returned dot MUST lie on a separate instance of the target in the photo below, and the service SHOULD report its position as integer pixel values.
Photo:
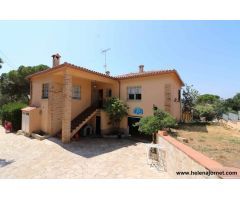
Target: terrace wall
(181, 158)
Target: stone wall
(56, 107)
(67, 106)
(181, 158)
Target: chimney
(108, 73)
(141, 68)
(56, 60)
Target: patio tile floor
(22, 157)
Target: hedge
(12, 112)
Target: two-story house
(67, 98)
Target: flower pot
(164, 133)
(8, 126)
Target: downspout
(30, 100)
(119, 84)
(119, 93)
(180, 101)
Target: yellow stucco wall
(34, 117)
(37, 82)
(36, 100)
(78, 105)
(105, 126)
(105, 86)
(152, 89)
(44, 116)
(152, 93)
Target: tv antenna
(104, 51)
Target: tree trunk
(118, 130)
(154, 138)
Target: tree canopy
(149, 125)
(212, 106)
(116, 110)
(235, 103)
(14, 86)
(159, 121)
(190, 96)
(1, 62)
(207, 98)
(209, 106)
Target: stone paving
(22, 157)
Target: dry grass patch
(216, 142)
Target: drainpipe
(30, 100)
(119, 89)
(180, 101)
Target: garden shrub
(116, 110)
(208, 111)
(12, 112)
(160, 120)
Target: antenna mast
(105, 54)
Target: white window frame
(45, 90)
(76, 92)
(134, 90)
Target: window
(134, 93)
(179, 95)
(109, 92)
(45, 88)
(76, 92)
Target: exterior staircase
(78, 122)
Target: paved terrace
(22, 157)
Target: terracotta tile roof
(46, 71)
(69, 65)
(120, 77)
(149, 73)
(88, 70)
(145, 73)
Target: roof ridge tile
(118, 77)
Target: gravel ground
(22, 157)
(216, 142)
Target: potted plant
(150, 125)
(116, 110)
(159, 121)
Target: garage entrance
(133, 130)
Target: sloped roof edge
(120, 77)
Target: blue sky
(205, 53)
